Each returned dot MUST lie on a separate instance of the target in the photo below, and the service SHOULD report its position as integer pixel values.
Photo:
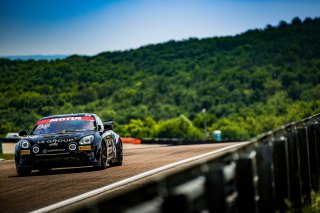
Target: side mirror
(108, 125)
(99, 127)
(22, 133)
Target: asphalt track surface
(24, 194)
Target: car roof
(69, 115)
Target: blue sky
(88, 27)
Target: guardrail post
(221, 189)
(247, 179)
(293, 170)
(314, 156)
(187, 197)
(303, 149)
(266, 180)
(281, 179)
(186, 191)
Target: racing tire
(23, 172)
(103, 156)
(119, 154)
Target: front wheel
(23, 172)
(103, 156)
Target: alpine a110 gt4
(67, 141)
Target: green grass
(7, 156)
(315, 205)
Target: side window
(99, 122)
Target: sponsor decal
(50, 120)
(81, 148)
(55, 141)
(24, 152)
(53, 150)
(53, 144)
(53, 154)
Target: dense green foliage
(248, 84)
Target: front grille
(54, 154)
(53, 148)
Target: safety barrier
(277, 171)
(172, 141)
(7, 145)
(181, 141)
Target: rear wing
(108, 125)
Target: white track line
(130, 180)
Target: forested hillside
(247, 84)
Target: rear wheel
(119, 154)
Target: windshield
(62, 125)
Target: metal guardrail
(181, 141)
(277, 171)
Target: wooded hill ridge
(248, 83)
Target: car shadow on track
(60, 171)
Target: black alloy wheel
(23, 172)
(103, 156)
(20, 171)
(119, 154)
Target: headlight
(25, 144)
(86, 140)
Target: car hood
(61, 137)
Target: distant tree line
(248, 83)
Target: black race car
(67, 141)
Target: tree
(180, 127)
(296, 21)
